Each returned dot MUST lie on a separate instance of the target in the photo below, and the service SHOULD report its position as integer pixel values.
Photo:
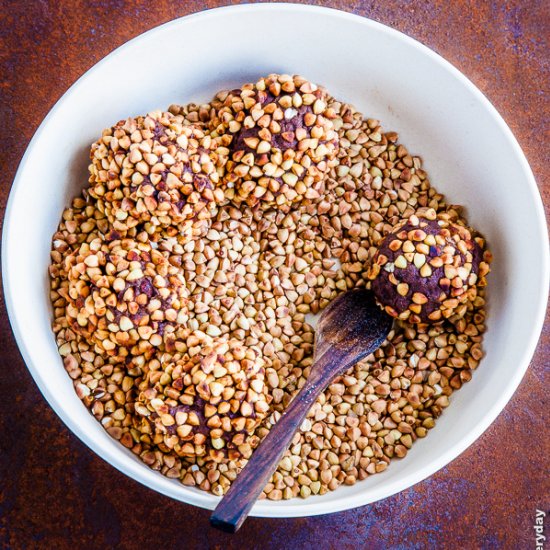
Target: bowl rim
(312, 506)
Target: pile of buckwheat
(182, 276)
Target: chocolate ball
(207, 405)
(125, 297)
(156, 171)
(280, 140)
(427, 269)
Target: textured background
(55, 493)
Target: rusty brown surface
(55, 493)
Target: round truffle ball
(207, 405)
(125, 297)
(279, 137)
(154, 170)
(426, 269)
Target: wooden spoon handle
(237, 503)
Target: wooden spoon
(351, 327)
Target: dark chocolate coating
(284, 140)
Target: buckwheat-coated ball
(279, 138)
(124, 296)
(426, 269)
(154, 170)
(207, 405)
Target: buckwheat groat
(208, 405)
(426, 268)
(154, 170)
(124, 296)
(280, 139)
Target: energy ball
(125, 297)
(279, 138)
(155, 170)
(426, 269)
(207, 405)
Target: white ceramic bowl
(468, 150)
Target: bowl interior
(468, 151)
